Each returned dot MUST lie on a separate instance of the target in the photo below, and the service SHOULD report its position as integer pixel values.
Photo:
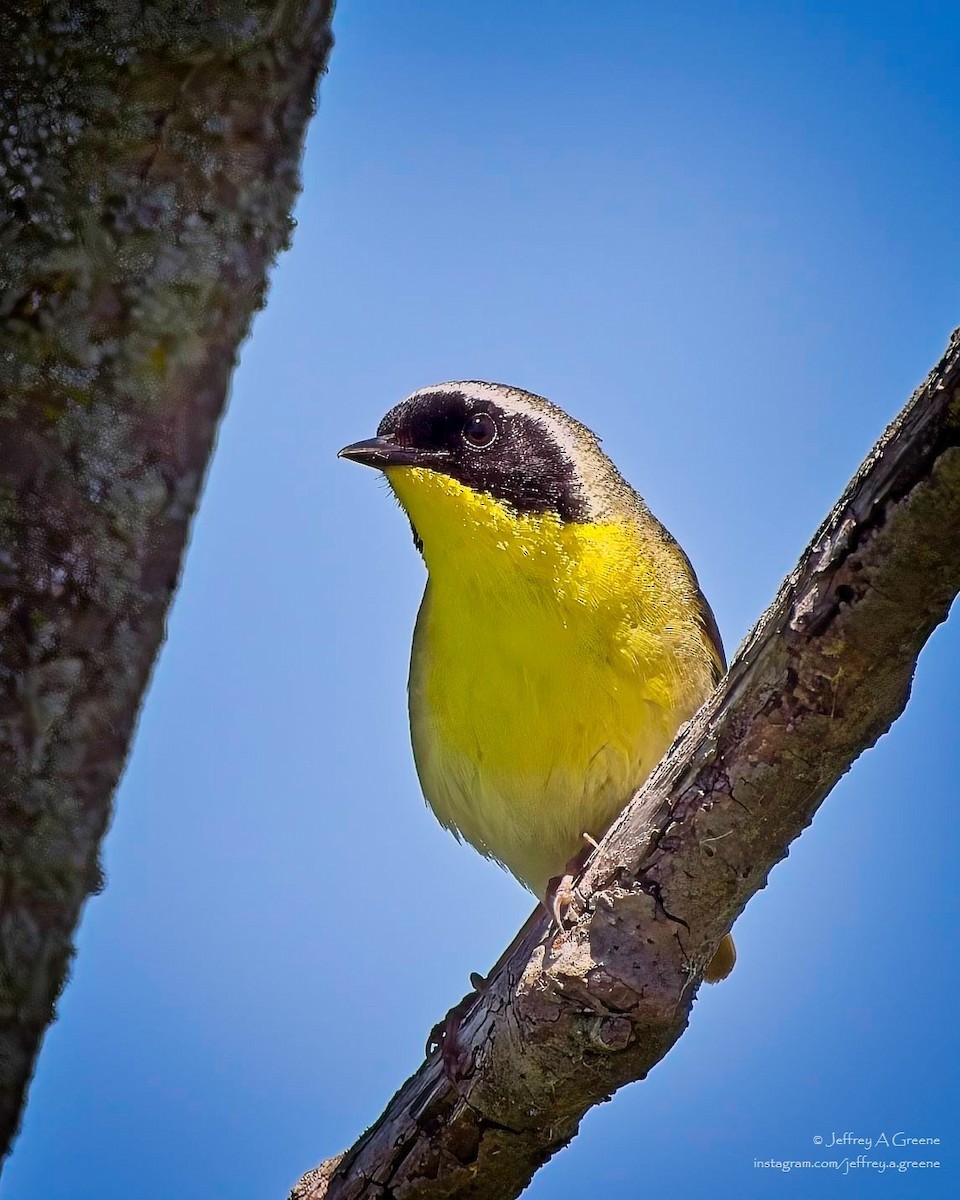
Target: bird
(562, 640)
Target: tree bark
(566, 1020)
(149, 161)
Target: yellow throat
(553, 662)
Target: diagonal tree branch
(567, 1020)
(149, 160)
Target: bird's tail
(722, 963)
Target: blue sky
(726, 238)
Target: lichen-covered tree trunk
(149, 160)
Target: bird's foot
(445, 1035)
(560, 897)
(561, 893)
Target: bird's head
(493, 453)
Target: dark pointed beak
(383, 452)
(377, 452)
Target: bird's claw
(561, 897)
(561, 890)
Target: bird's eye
(480, 430)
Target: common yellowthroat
(562, 639)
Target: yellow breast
(552, 665)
